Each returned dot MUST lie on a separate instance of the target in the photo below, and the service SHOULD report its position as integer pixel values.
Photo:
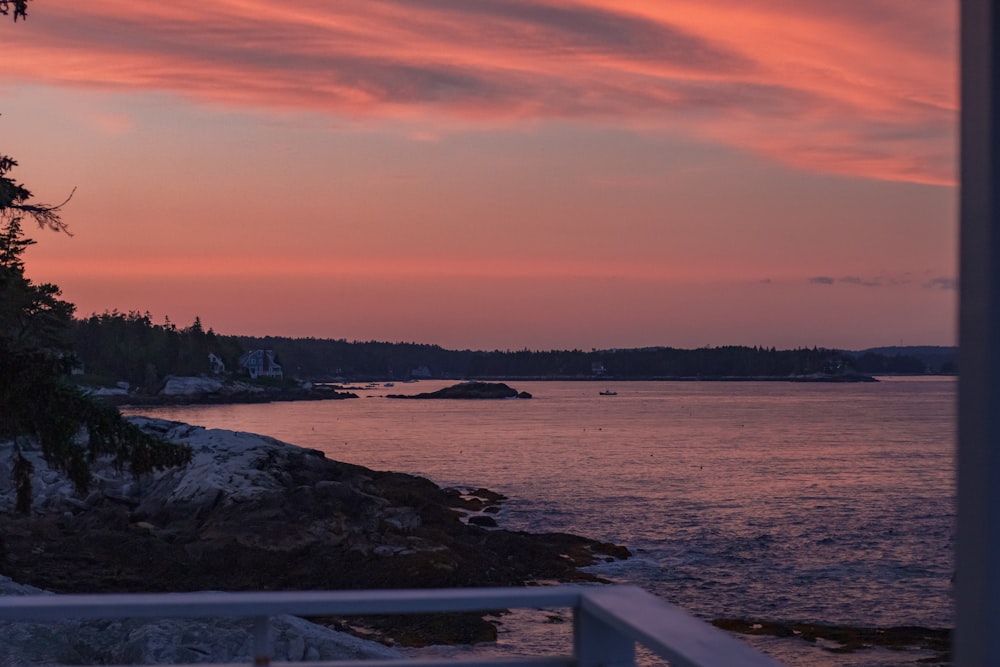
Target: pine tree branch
(20, 8)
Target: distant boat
(608, 392)
(388, 384)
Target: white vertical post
(597, 644)
(261, 641)
(977, 640)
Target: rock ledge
(253, 513)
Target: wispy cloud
(881, 280)
(884, 279)
(942, 283)
(857, 280)
(864, 89)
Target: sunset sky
(498, 173)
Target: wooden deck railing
(608, 621)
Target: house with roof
(215, 364)
(261, 363)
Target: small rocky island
(470, 390)
(253, 513)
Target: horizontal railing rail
(608, 621)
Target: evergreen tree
(38, 405)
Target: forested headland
(324, 359)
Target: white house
(216, 364)
(260, 363)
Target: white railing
(607, 620)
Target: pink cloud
(864, 89)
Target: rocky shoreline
(208, 391)
(254, 513)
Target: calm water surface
(796, 502)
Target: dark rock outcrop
(474, 390)
(484, 521)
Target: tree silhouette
(20, 8)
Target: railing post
(597, 644)
(977, 585)
(261, 641)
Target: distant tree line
(319, 359)
(873, 363)
(933, 359)
(130, 347)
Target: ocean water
(830, 503)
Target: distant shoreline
(683, 378)
(343, 391)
